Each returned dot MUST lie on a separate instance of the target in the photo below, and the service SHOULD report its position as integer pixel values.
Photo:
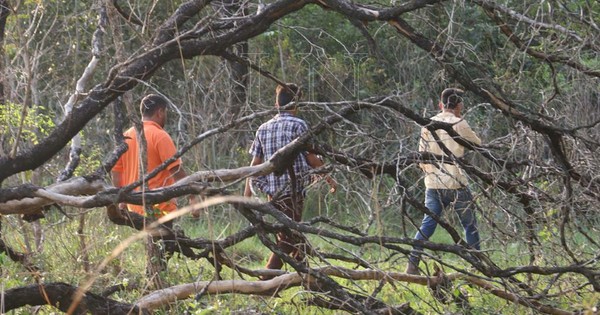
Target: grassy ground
(61, 258)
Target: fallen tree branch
(17, 257)
(163, 297)
(77, 186)
(60, 295)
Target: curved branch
(23, 199)
(60, 295)
(491, 6)
(183, 13)
(371, 13)
(16, 256)
(128, 15)
(522, 46)
(160, 298)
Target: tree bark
(4, 13)
(60, 295)
(239, 71)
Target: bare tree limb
(159, 298)
(60, 295)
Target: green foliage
(91, 157)
(36, 124)
(331, 61)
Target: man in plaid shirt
(285, 195)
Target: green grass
(61, 260)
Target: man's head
(451, 98)
(286, 94)
(154, 107)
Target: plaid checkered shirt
(270, 137)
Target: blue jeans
(438, 199)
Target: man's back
(160, 147)
(272, 136)
(445, 175)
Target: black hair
(152, 103)
(451, 97)
(288, 93)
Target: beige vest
(444, 175)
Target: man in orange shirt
(159, 148)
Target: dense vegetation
(72, 75)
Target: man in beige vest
(445, 182)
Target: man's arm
(424, 146)
(255, 161)
(116, 178)
(314, 161)
(117, 181)
(178, 173)
(465, 131)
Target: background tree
(372, 73)
(4, 12)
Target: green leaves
(35, 123)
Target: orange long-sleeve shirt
(160, 147)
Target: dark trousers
(290, 245)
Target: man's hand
(192, 199)
(248, 189)
(331, 183)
